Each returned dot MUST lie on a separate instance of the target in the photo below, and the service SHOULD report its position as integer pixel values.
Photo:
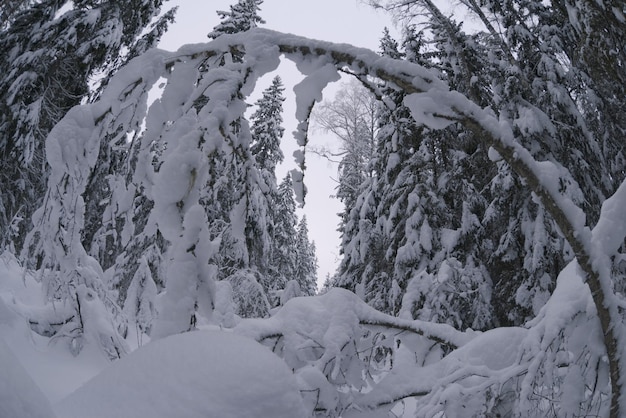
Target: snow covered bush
(196, 374)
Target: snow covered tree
(283, 250)
(524, 254)
(233, 192)
(526, 80)
(414, 218)
(242, 16)
(267, 129)
(48, 61)
(376, 225)
(116, 210)
(279, 253)
(140, 306)
(249, 296)
(306, 261)
(438, 243)
(267, 132)
(9, 9)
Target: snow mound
(19, 395)
(196, 374)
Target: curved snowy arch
(203, 97)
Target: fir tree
(235, 196)
(9, 9)
(374, 229)
(41, 87)
(282, 254)
(267, 132)
(306, 260)
(249, 296)
(415, 220)
(48, 62)
(111, 228)
(140, 306)
(242, 16)
(267, 129)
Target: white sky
(341, 21)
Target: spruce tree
(267, 129)
(267, 132)
(414, 224)
(49, 60)
(9, 9)
(237, 193)
(242, 16)
(375, 228)
(515, 66)
(306, 260)
(283, 255)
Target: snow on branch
(338, 345)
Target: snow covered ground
(328, 347)
(198, 374)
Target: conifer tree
(112, 230)
(267, 129)
(236, 197)
(242, 16)
(511, 240)
(413, 224)
(375, 229)
(306, 260)
(283, 255)
(51, 58)
(9, 9)
(48, 61)
(140, 305)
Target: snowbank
(47, 361)
(196, 374)
(19, 395)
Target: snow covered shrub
(340, 348)
(249, 298)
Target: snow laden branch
(338, 345)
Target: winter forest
(153, 263)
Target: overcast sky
(341, 21)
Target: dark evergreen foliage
(242, 16)
(305, 272)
